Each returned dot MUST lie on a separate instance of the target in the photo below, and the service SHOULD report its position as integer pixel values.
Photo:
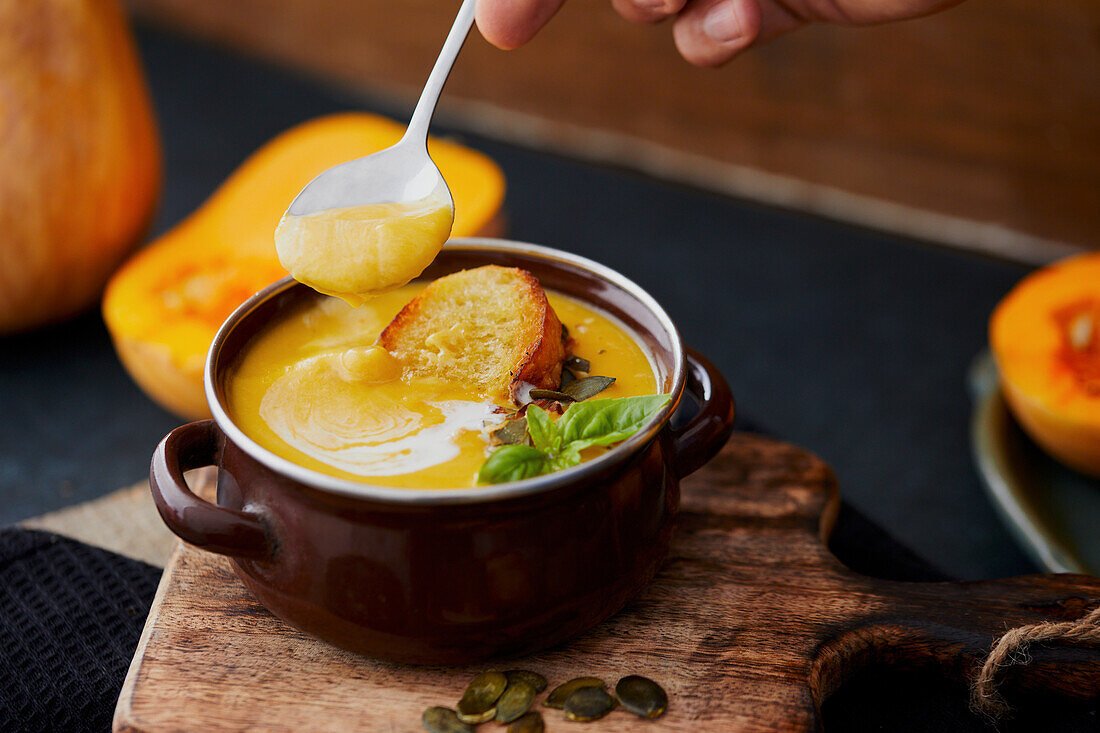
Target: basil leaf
(514, 463)
(570, 456)
(543, 430)
(607, 421)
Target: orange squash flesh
(166, 303)
(1045, 337)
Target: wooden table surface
(750, 625)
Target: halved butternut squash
(1045, 336)
(79, 156)
(166, 303)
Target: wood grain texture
(988, 113)
(751, 624)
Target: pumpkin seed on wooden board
(515, 701)
(529, 723)
(478, 703)
(589, 703)
(534, 679)
(582, 389)
(642, 696)
(477, 718)
(561, 693)
(444, 720)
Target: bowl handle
(706, 433)
(195, 520)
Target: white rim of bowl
(470, 495)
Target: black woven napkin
(70, 618)
(71, 615)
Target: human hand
(706, 32)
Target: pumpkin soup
(318, 390)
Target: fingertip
(711, 33)
(647, 11)
(508, 24)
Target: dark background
(851, 343)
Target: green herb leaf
(558, 444)
(514, 463)
(544, 431)
(570, 456)
(603, 422)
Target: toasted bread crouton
(490, 327)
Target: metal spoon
(398, 174)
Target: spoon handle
(422, 115)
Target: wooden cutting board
(751, 624)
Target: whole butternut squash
(165, 305)
(79, 155)
(1045, 336)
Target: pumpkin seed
(444, 720)
(529, 723)
(582, 389)
(478, 702)
(476, 718)
(589, 703)
(552, 394)
(515, 701)
(578, 364)
(561, 693)
(512, 432)
(642, 696)
(534, 679)
(567, 377)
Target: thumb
(509, 24)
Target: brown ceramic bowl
(458, 575)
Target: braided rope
(1014, 648)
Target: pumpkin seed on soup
(513, 432)
(642, 696)
(588, 703)
(561, 693)
(579, 364)
(478, 702)
(529, 723)
(444, 720)
(582, 389)
(551, 394)
(534, 679)
(515, 701)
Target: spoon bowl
(399, 174)
(370, 225)
(403, 173)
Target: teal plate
(1053, 511)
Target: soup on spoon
(359, 252)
